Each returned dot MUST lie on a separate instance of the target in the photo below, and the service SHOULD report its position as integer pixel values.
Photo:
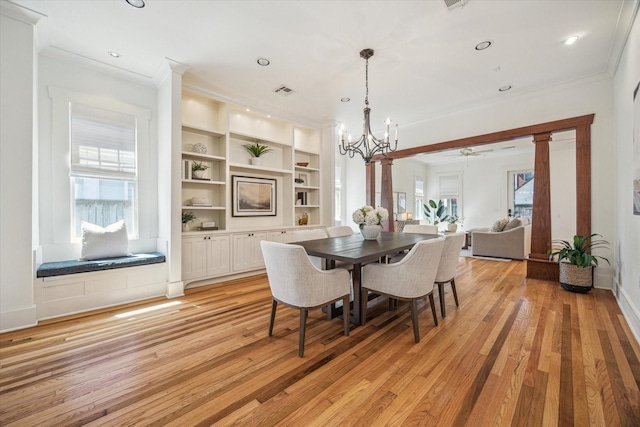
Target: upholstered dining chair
(297, 283)
(312, 234)
(420, 228)
(339, 230)
(447, 267)
(410, 279)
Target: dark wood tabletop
(357, 251)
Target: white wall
(627, 225)
(17, 71)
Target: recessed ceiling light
(345, 99)
(505, 88)
(136, 3)
(484, 45)
(114, 54)
(248, 109)
(571, 40)
(263, 61)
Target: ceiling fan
(469, 152)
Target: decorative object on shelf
(199, 148)
(298, 181)
(198, 170)
(302, 164)
(257, 150)
(187, 217)
(576, 271)
(253, 196)
(304, 219)
(304, 178)
(200, 202)
(206, 226)
(370, 220)
(435, 212)
(452, 225)
(367, 145)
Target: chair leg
(303, 323)
(274, 306)
(346, 314)
(455, 293)
(414, 320)
(364, 294)
(441, 297)
(433, 308)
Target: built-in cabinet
(213, 135)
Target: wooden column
(370, 184)
(583, 180)
(386, 189)
(538, 266)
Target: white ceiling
(424, 65)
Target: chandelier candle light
(367, 145)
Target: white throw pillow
(499, 225)
(108, 242)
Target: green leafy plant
(199, 167)
(578, 252)
(453, 219)
(188, 217)
(257, 149)
(435, 212)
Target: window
(103, 167)
(521, 193)
(450, 194)
(418, 192)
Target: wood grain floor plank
(515, 352)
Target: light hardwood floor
(516, 352)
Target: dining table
(357, 251)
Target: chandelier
(367, 145)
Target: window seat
(61, 268)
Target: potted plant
(435, 212)
(187, 217)
(257, 150)
(577, 262)
(452, 225)
(198, 169)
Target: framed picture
(253, 196)
(305, 179)
(401, 207)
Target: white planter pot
(370, 232)
(256, 161)
(452, 227)
(198, 174)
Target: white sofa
(513, 242)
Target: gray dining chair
(410, 279)
(297, 283)
(447, 268)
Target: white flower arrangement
(367, 215)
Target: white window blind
(103, 143)
(449, 187)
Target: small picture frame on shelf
(303, 179)
(253, 196)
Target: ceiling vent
(283, 90)
(452, 4)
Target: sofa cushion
(499, 225)
(513, 223)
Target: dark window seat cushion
(60, 268)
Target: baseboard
(175, 289)
(630, 312)
(18, 319)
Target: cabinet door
(242, 251)
(256, 251)
(218, 259)
(194, 257)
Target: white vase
(452, 227)
(198, 174)
(256, 161)
(370, 232)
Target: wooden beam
(583, 180)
